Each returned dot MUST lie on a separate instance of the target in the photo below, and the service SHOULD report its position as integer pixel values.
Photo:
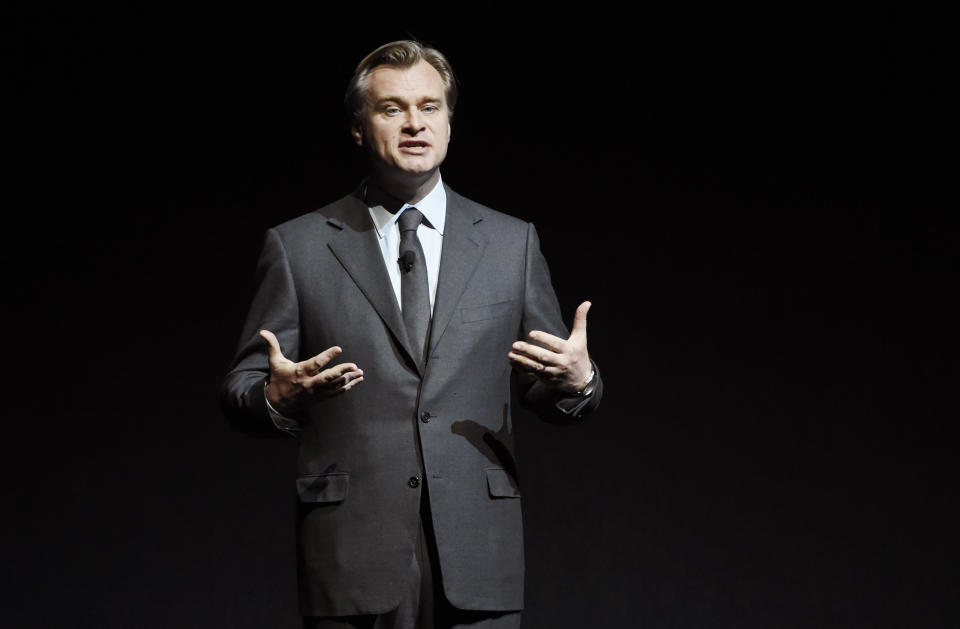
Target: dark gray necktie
(414, 287)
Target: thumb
(276, 355)
(580, 319)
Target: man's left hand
(563, 364)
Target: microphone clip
(406, 261)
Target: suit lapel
(359, 253)
(463, 247)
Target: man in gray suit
(409, 508)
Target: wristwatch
(591, 384)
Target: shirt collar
(433, 207)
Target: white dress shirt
(430, 232)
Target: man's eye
(431, 109)
(392, 111)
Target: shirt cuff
(282, 422)
(574, 404)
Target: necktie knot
(410, 219)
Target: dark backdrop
(755, 203)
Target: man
(409, 511)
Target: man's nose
(413, 124)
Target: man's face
(405, 126)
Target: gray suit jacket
(322, 282)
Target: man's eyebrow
(397, 99)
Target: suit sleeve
(274, 308)
(541, 311)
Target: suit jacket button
(414, 481)
(425, 417)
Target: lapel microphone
(406, 261)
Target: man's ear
(356, 130)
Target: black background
(756, 203)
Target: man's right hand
(294, 386)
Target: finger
(276, 356)
(340, 377)
(535, 352)
(580, 319)
(352, 383)
(539, 370)
(333, 377)
(342, 387)
(526, 363)
(555, 343)
(313, 366)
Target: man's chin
(402, 179)
(415, 170)
(417, 167)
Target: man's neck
(407, 189)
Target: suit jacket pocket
(320, 488)
(489, 311)
(500, 484)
